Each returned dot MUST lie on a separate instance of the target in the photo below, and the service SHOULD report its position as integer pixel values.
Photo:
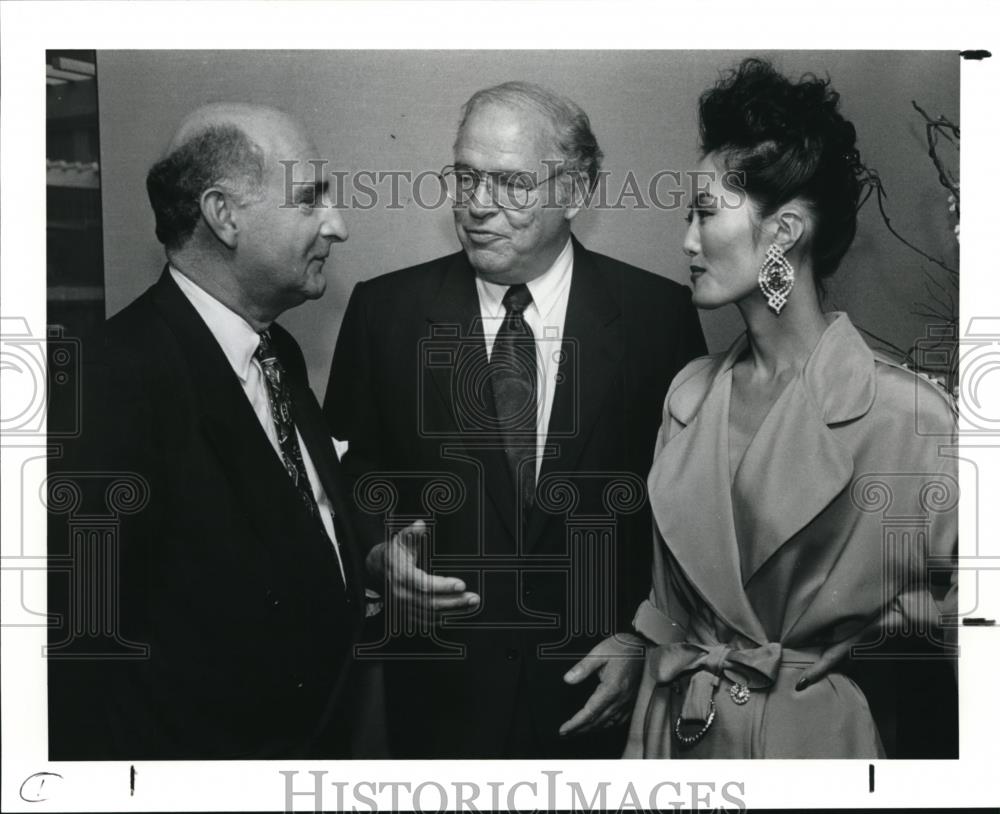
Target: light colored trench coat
(845, 494)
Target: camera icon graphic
(978, 389)
(454, 371)
(38, 372)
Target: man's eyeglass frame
(492, 178)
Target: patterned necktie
(514, 376)
(280, 400)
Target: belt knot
(707, 663)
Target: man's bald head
(258, 122)
(223, 145)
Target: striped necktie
(514, 376)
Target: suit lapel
(772, 503)
(722, 534)
(689, 493)
(316, 436)
(254, 471)
(258, 478)
(459, 370)
(593, 347)
(592, 352)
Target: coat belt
(754, 667)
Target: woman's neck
(779, 344)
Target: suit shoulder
(690, 386)
(697, 371)
(136, 328)
(406, 281)
(903, 390)
(640, 280)
(133, 316)
(133, 357)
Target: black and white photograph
(452, 425)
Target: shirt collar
(234, 334)
(545, 289)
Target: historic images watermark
(914, 578)
(91, 629)
(453, 370)
(586, 564)
(667, 189)
(35, 366)
(39, 369)
(43, 377)
(547, 790)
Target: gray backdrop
(397, 110)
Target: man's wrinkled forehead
(509, 122)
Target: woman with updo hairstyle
(797, 487)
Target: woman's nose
(691, 243)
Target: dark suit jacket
(408, 390)
(223, 575)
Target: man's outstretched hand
(393, 565)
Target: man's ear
(574, 193)
(218, 211)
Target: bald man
(239, 594)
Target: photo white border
(28, 29)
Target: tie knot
(265, 351)
(517, 299)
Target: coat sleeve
(922, 618)
(658, 619)
(351, 402)
(928, 599)
(97, 706)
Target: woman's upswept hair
(783, 140)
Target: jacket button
(511, 654)
(272, 600)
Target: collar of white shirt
(545, 289)
(237, 337)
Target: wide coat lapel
(461, 377)
(795, 465)
(593, 348)
(723, 533)
(255, 472)
(313, 429)
(689, 492)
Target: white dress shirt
(239, 342)
(546, 316)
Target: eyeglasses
(516, 189)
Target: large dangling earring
(776, 278)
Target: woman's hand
(618, 662)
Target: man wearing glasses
(501, 406)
